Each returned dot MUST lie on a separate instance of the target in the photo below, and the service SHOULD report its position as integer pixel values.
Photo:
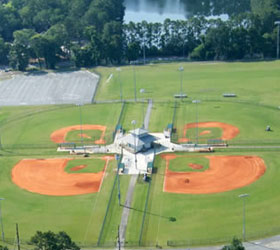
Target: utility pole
(134, 78)
(2, 227)
(18, 241)
(119, 78)
(119, 240)
(278, 27)
(243, 196)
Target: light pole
(81, 124)
(144, 51)
(196, 118)
(135, 157)
(2, 227)
(181, 69)
(134, 79)
(119, 78)
(142, 91)
(243, 196)
(278, 26)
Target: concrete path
(148, 114)
(126, 209)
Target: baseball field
(190, 199)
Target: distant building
(138, 140)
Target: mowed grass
(136, 214)
(133, 112)
(250, 119)
(80, 216)
(254, 82)
(92, 165)
(184, 164)
(83, 136)
(36, 129)
(205, 219)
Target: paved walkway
(126, 209)
(148, 114)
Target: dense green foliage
(51, 241)
(236, 244)
(92, 32)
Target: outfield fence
(101, 241)
(118, 126)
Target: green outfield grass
(36, 129)
(91, 165)
(254, 82)
(250, 119)
(202, 218)
(133, 111)
(80, 216)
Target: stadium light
(134, 79)
(142, 91)
(244, 196)
(133, 122)
(81, 124)
(278, 27)
(181, 69)
(2, 227)
(119, 78)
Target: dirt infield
(59, 135)
(48, 177)
(225, 173)
(229, 131)
(195, 166)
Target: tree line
(93, 32)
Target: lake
(159, 10)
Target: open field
(170, 218)
(204, 218)
(252, 82)
(81, 216)
(48, 88)
(251, 120)
(37, 129)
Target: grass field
(202, 218)
(254, 82)
(182, 164)
(196, 219)
(90, 165)
(250, 119)
(80, 216)
(36, 129)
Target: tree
(21, 49)
(236, 244)
(4, 51)
(51, 241)
(3, 248)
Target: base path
(229, 131)
(48, 177)
(59, 136)
(225, 173)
